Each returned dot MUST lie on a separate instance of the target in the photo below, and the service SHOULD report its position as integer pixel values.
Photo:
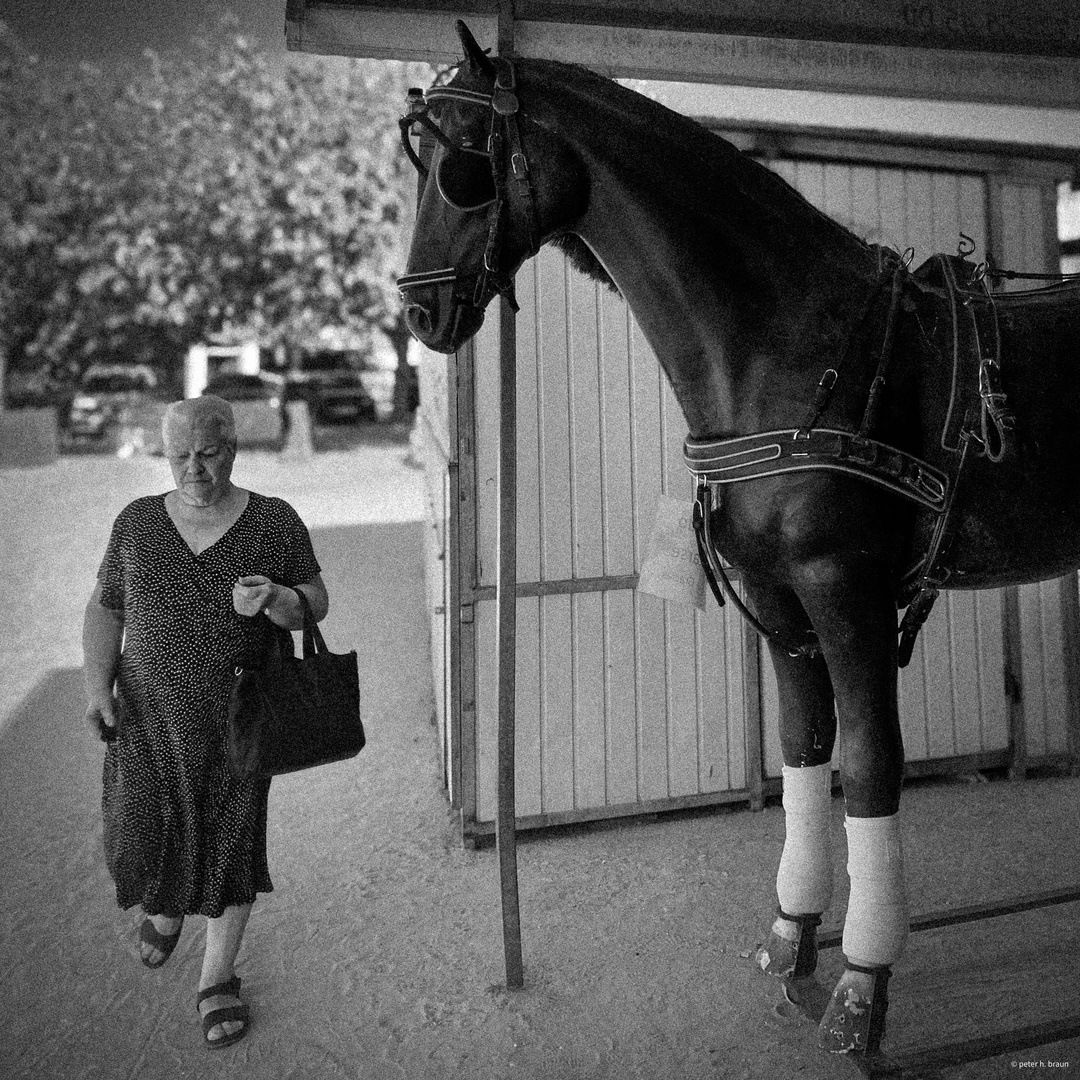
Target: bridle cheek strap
(507, 154)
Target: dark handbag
(288, 713)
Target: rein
(505, 152)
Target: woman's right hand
(101, 717)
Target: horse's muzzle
(440, 319)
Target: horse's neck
(713, 261)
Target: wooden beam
(1036, 28)
(697, 56)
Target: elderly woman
(193, 582)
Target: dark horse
(862, 435)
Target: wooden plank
(772, 756)
(742, 59)
(894, 209)
(585, 434)
(616, 429)
(646, 394)
(486, 426)
(810, 181)
(553, 427)
(752, 650)
(528, 751)
(711, 676)
(1013, 679)
(651, 697)
(941, 720)
(646, 389)
(837, 201)
(918, 197)
(463, 542)
(993, 714)
(527, 286)
(1070, 639)
(865, 218)
(971, 200)
(744, 709)
(620, 694)
(479, 831)
(682, 699)
(1041, 28)
(486, 739)
(590, 764)
(1055, 740)
(966, 689)
(914, 710)
(1038, 698)
(556, 704)
(564, 586)
(945, 211)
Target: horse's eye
(464, 178)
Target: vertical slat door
(623, 699)
(952, 702)
(628, 701)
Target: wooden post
(506, 604)
(1070, 620)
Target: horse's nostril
(418, 319)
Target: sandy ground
(379, 953)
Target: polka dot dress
(182, 836)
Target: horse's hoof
(791, 950)
(854, 1021)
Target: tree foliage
(209, 193)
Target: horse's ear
(475, 57)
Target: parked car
(106, 393)
(329, 381)
(258, 403)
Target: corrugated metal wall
(626, 702)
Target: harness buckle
(519, 165)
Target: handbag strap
(313, 639)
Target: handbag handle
(313, 639)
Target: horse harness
(977, 421)
(505, 153)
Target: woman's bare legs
(223, 937)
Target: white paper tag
(671, 568)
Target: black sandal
(229, 988)
(164, 943)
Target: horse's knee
(872, 778)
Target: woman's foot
(224, 1015)
(158, 936)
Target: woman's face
(201, 460)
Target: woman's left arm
(279, 603)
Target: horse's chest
(770, 528)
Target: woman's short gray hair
(207, 411)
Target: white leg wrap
(804, 882)
(876, 927)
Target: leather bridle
(506, 155)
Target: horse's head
(494, 185)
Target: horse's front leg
(804, 880)
(851, 606)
